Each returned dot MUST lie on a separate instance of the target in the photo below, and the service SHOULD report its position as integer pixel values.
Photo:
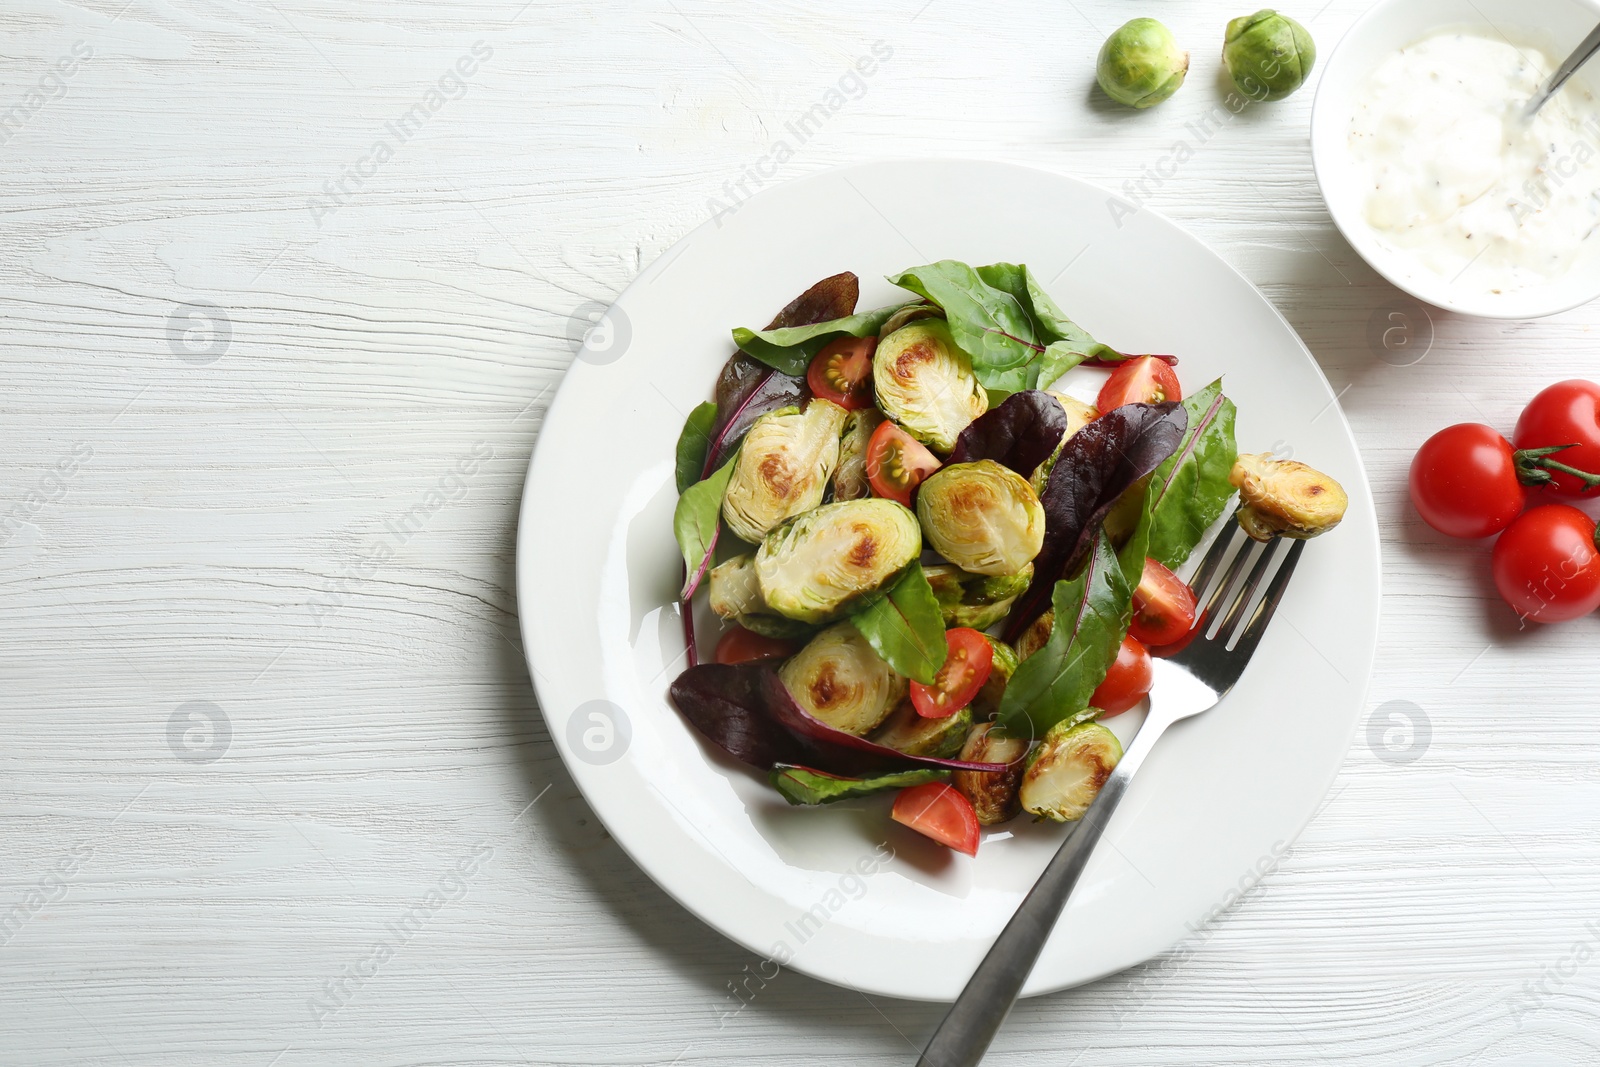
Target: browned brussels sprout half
(982, 517)
(906, 731)
(1068, 768)
(840, 680)
(993, 793)
(925, 383)
(1282, 497)
(836, 558)
(783, 468)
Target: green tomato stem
(1533, 466)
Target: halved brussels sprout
(736, 596)
(993, 793)
(925, 383)
(982, 517)
(783, 467)
(850, 480)
(1079, 415)
(1068, 768)
(1283, 497)
(975, 600)
(836, 558)
(839, 679)
(910, 313)
(906, 731)
(1036, 635)
(986, 705)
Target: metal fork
(1186, 683)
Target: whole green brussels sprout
(1268, 55)
(1141, 64)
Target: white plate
(1221, 797)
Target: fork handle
(977, 1014)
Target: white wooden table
(286, 287)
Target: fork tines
(1239, 625)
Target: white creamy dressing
(1460, 181)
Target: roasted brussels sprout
(975, 600)
(1141, 64)
(910, 313)
(993, 793)
(836, 558)
(925, 383)
(986, 705)
(1079, 415)
(906, 731)
(1068, 768)
(804, 786)
(982, 517)
(839, 679)
(1035, 636)
(1268, 55)
(1281, 497)
(850, 480)
(783, 468)
(736, 596)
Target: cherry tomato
(739, 645)
(1546, 565)
(967, 664)
(897, 463)
(1567, 413)
(938, 811)
(1126, 682)
(1464, 481)
(842, 372)
(1163, 606)
(1145, 380)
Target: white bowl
(1554, 25)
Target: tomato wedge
(842, 372)
(739, 645)
(897, 463)
(969, 659)
(1146, 380)
(1126, 682)
(938, 811)
(1163, 606)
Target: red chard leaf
(1097, 465)
(1021, 433)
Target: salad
(937, 575)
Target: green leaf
(696, 522)
(1066, 343)
(790, 349)
(693, 443)
(1190, 490)
(1001, 316)
(905, 627)
(1092, 612)
(991, 325)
